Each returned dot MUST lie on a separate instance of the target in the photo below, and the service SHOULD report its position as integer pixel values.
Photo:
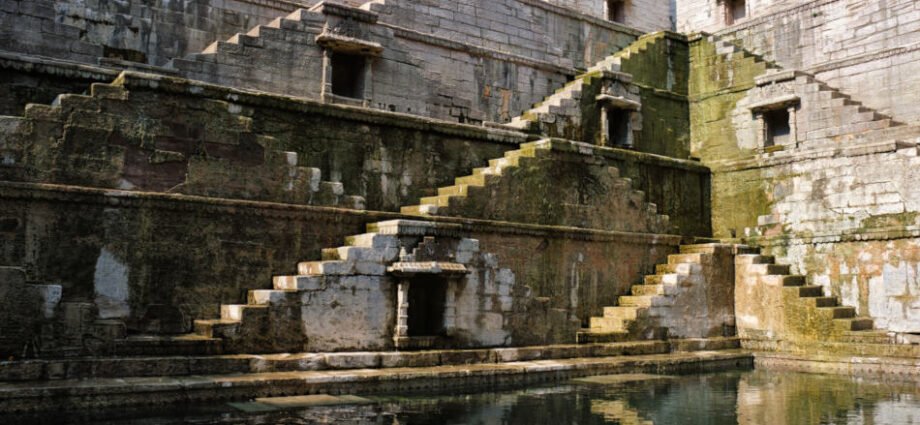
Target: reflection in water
(753, 397)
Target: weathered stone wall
(644, 15)
(153, 262)
(157, 262)
(526, 28)
(848, 222)
(867, 49)
(148, 32)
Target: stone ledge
(132, 80)
(100, 393)
(176, 365)
(845, 365)
(222, 206)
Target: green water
(749, 397)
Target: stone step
(646, 301)
(857, 324)
(785, 280)
(754, 259)
(607, 324)
(359, 253)
(588, 336)
(839, 312)
(650, 290)
(653, 279)
(821, 302)
(626, 312)
(216, 328)
(440, 201)
(319, 268)
(238, 311)
(769, 269)
(299, 283)
(372, 240)
(685, 258)
(680, 268)
(267, 296)
(455, 190)
(807, 290)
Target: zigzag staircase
(475, 188)
(364, 254)
(853, 115)
(289, 27)
(564, 103)
(641, 314)
(839, 322)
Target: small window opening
(618, 127)
(427, 299)
(348, 75)
(735, 10)
(776, 127)
(616, 11)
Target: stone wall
(147, 32)
(218, 202)
(867, 49)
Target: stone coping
(184, 365)
(889, 367)
(581, 148)
(111, 392)
(133, 80)
(44, 192)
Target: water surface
(748, 397)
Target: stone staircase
(294, 26)
(564, 104)
(277, 174)
(471, 185)
(482, 186)
(810, 299)
(831, 112)
(663, 299)
(362, 255)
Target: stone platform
(100, 383)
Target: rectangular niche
(348, 72)
(616, 11)
(735, 10)
(427, 304)
(777, 129)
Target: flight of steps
(469, 186)
(564, 104)
(476, 189)
(364, 254)
(642, 314)
(280, 30)
(847, 115)
(841, 320)
(833, 113)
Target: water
(748, 397)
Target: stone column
(793, 137)
(327, 74)
(450, 306)
(605, 127)
(402, 311)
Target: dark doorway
(348, 75)
(777, 130)
(616, 11)
(427, 298)
(618, 127)
(735, 10)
